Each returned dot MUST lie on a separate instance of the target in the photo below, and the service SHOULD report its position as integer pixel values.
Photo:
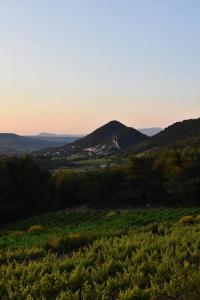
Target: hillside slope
(56, 140)
(113, 135)
(13, 143)
(186, 132)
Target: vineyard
(122, 255)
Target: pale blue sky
(69, 66)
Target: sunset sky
(69, 66)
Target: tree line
(166, 178)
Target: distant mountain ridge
(10, 142)
(113, 137)
(150, 131)
(49, 134)
(13, 143)
(55, 139)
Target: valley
(111, 215)
(99, 150)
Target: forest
(170, 178)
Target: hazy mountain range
(150, 131)
(55, 139)
(116, 137)
(110, 138)
(10, 142)
(13, 143)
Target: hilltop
(111, 137)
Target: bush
(110, 215)
(154, 228)
(187, 220)
(197, 219)
(54, 244)
(36, 229)
(134, 294)
(70, 242)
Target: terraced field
(122, 255)
(100, 219)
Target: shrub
(187, 220)
(54, 244)
(134, 294)
(110, 215)
(197, 219)
(36, 229)
(154, 228)
(70, 242)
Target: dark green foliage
(144, 179)
(171, 179)
(24, 188)
(181, 175)
(66, 186)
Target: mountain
(46, 134)
(100, 135)
(128, 137)
(55, 139)
(13, 143)
(182, 133)
(113, 136)
(49, 134)
(150, 131)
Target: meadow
(123, 255)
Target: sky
(69, 66)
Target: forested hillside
(171, 178)
(113, 135)
(182, 134)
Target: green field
(81, 164)
(139, 254)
